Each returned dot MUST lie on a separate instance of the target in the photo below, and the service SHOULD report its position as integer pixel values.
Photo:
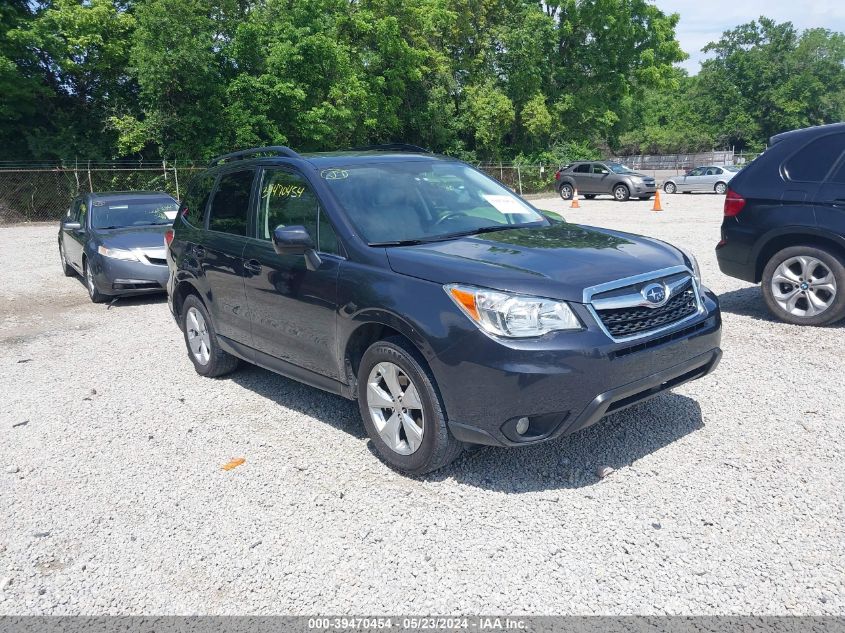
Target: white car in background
(709, 178)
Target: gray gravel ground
(726, 495)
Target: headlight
(696, 271)
(512, 315)
(117, 253)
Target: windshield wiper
(397, 243)
(454, 236)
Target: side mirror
(295, 240)
(71, 226)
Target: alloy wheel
(721, 188)
(199, 340)
(620, 193)
(566, 192)
(89, 280)
(395, 408)
(669, 187)
(803, 286)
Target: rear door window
(582, 169)
(230, 206)
(195, 201)
(813, 161)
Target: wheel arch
(183, 289)
(377, 326)
(801, 237)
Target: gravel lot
(727, 495)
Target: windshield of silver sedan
(116, 214)
(398, 203)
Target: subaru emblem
(655, 294)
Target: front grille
(623, 322)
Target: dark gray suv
(450, 308)
(593, 178)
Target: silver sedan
(710, 178)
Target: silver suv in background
(708, 178)
(593, 178)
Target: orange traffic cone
(575, 204)
(656, 206)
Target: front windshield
(138, 212)
(424, 201)
(616, 168)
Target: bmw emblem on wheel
(655, 294)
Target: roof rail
(391, 147)
(274, 150)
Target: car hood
(558, 261)
(134, 237)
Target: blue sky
(703, 21)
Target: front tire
(566, 191)
(95, 295)
(670, 187)
(67, 269)
(720, 188)
(204, 349)
(805, 285)
(401, 409)
(621, 193)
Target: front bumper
(644, 189)
(118, 277)
(563, 383)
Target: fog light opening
(522, 426)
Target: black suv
(784, 225)
(592, 178)
(450, 308)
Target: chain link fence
(43, 194)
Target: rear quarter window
(812, 162)
(193, 206)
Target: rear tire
(391, 370)
(95, 295)
(566, 191)
(66, 268)
(720, 188)
(204, 349)
(621, 193)
(805, 285)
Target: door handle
(253, 266)
(839, 202)
(199, 251)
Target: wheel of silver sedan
(721, 188)
(199, 340)
(669, 187)
(804, 286)
(395, 408)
